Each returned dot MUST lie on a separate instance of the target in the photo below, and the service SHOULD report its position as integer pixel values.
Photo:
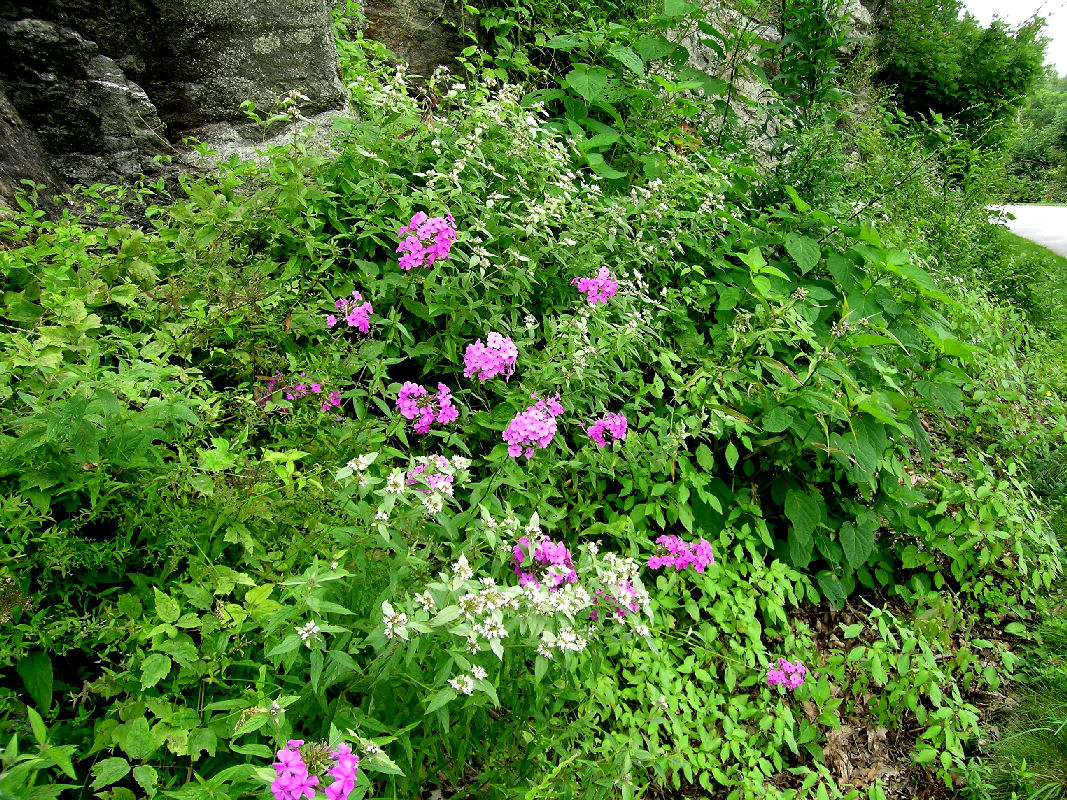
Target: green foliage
(206, 568)
(938, 62)
(1036, 158)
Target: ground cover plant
(444, 460)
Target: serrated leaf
(804, 510)
(146, 778)
(601, 167)
(36, 673)
(857, 542)
(777, 419)
(166, 606)
(705, 458)
(139, 743)
(109, 771)
(629, 58)
(804, 251)
(801, 546)
(154, 669)
(591, 83)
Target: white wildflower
(463, 684)
(462, 569)
(307, 632)
(425, 601)
(478, 673)
(394, 484)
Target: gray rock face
(22, 155)
(416, 32)
(107, 86)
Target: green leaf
(602, 168)
(139, 742)
(857, 542)
(801, 546)
(36, 673)
(832, 590)
(804, 251)
(109, 771)
(678, 8)
(731, 455)
(778, 419)
(591, 83)
(40, 732)
(166, 607)
(705, 458)
(804, 510)
(146, 777)
(154, 669)
(442, 698)
(629, 58)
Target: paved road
(1046, 225)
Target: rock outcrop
(105, 87)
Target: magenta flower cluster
(787, 674)
(427, 240)
(543, 560)
(599, 288)
(619, 602)
(416, 403)
(533, 428)
(354, 312)
(295, 388)
(496, 357)
(681, 554)
(613, 424)
(427, 475)
(293, 780)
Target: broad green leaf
(591, 83)
(804, 251)
(36, 673)
(166, 606)
(139, 743)
(146, 777)
(653, 48)
(804, 510)
(777, 420)
(602, 168)
(801, 546)
(678, 8)
(831, 589)
(857, 542)
(629, 58)
(109, 771)
(154, 669)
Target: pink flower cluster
(544, 560)
(416, 403)
(533, 428)
(787, 673)
(496, 357)
(355, 313)
(294, 389)
(599, 288)
(428, 239)
(294, 781)
(427, 474)
(343, 771)
(619, 602)
(681, 555)
(615, 424)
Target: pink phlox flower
(293, 781)
(425, 240)
(613, 424)
(333, 400)
(620, 601)
(416, 403)
(599, 288)
(681, 555)
(355, 311)
(496, 357)
(544, 560)
(788, 674)
(533, 428)
(346, 763)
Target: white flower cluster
(395, 622)
(308, 632)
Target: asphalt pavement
(1046, 225)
